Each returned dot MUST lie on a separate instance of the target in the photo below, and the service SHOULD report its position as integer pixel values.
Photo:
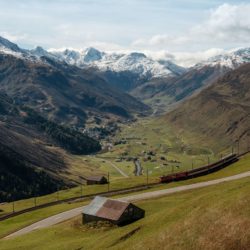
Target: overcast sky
(160, 27)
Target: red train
(200, 171)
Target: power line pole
(57, 194)
(147, 176)
(81, 190)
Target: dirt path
(149, 195)
(114, 166)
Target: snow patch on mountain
(231, 60)
(135, 62)
(7, 47)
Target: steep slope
(29, 162)
(7, 46)
(162, 93)
(27, 167)
(64, 93)
(220, 114)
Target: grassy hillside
(31, 164)
(219, 114)
(215, 217)
(20, 221)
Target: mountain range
(158, 83)
(49, 99)
(65, 93)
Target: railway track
(58, 218)
(80, 198)
(174, 177)
(224, 162)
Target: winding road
(131, 198)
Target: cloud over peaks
(226, 26)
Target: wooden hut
(117, 212)
(93, 180)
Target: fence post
(81, 190)
(108, 182)
(147, 176)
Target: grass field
(215, 217)
(171, 153)
(20, 221)
(116, 183)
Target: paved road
(137, 197)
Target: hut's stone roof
(106, 208)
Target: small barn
(93, 180)
(115, 211)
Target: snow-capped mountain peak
(39, 52)
(92, 55)
(231, 60)
(137, 55)
(4, 43)
(137, 63)
(176, 69)
(8, 47)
